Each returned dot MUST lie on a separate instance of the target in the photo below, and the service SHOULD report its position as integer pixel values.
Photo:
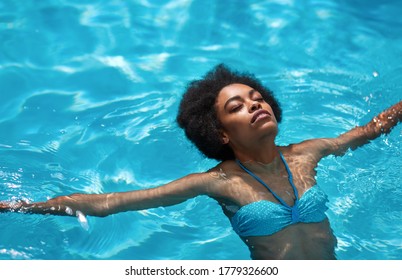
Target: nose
(254, 106)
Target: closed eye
(235, 108)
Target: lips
(259, 114)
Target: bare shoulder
(222, 177)
(297, 149)
(307, 151)
(227, 165)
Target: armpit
(228, 208)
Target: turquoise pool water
(89, 92)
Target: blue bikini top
(266, 217)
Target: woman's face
(244, 116)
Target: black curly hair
(197, 114)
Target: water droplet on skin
(69, 211)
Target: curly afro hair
(197, 114)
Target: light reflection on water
(89, 92)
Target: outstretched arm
(106, 204)
(356, 137)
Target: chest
(276, 186)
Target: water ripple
(89, 91)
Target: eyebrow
(237, 97)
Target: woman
(268, 192)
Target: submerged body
(309, 237)
(313, 241)
(267, 224)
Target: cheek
(235, 127)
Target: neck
(264, 152)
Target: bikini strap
(290, 178)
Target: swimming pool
(89, 92)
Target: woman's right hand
(70, 205)
(15, 206)
(4, 206)
(53, 206)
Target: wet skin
(297, 241)
(249, 127)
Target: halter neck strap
(290, 178)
